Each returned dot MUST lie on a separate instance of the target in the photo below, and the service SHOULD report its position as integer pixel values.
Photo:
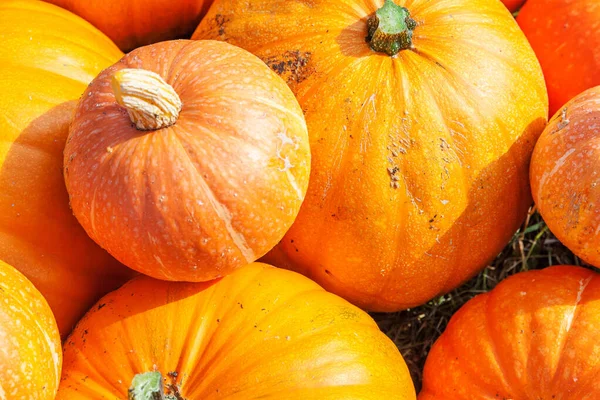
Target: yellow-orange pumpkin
(210, 174)
(535, 336)
(565, 175)
(30, 352)
(259, 333)
(134, 23)
(48, 56)
(420, 159)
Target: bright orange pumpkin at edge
(259, 333)
(42, 76)
(30, 356)
(532, 337)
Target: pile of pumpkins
(378, 152)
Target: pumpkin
(513, 5)
(565, 175)
(134, 23)
(565, 36)
(30, 352)
(420, 136)
(259, 333)
(187, 159)
(43, 75)
(532, 337)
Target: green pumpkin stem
(147, 386)
(390, 29)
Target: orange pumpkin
(565, 36)
(420, 159)
(30, 352)
(513, 5)
(535, 336)
(42, 76)
(210, 173)
(259, 333)
(565, 175)
(134, 23)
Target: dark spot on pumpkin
(173, 374)
(292, 66)
(101, 305)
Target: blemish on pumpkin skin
(292, 66)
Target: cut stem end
(390, 29)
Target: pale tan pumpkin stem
(150, 101)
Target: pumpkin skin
(565, 36)
(564, 175)
(135, 23)
(198, 199)
(42, 76)
(31, 357)
(259, 333)
(532, 337)
(513, 5)
(412, 154)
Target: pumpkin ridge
(583, 284)
(221, 210)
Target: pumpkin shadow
(39, 234)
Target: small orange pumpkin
(209, 175)
(259, 333)
(565, 175)
(30, 352)
(535, 336)
(420, 135)
(48, 58)
(134, 23)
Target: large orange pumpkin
(48, 57)
(208, 176)
(259, 333)
(420, 137)
(30, 352)
(565, 35)
(535, 336)
(134, 23)
(565, 175)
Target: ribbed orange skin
(564, 175)
(259, 333)
(48, 57)
(513, 5)
(30, 352)
(451, 122)
(533, 337)
(134, 23)
(565, 36)
(196, 200)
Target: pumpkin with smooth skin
(48, 57)
(565, 36)
(565, 175)
(259, 333)
(30, 352)
(187, 159)
(420, 136)
(535, 336)
(135, 23)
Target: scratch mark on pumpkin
(559, 163)
(582, 286)
(2, 392)
(225, 215)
